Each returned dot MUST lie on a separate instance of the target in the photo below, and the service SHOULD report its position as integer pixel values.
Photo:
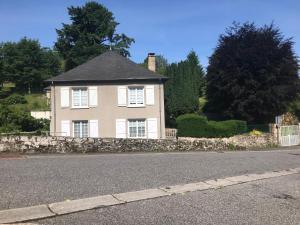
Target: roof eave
(162, 79)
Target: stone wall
(42, 144)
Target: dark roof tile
(109, 66)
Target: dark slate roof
(109, 66)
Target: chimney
(151, 61)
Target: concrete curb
(62, 208)
(25, 214)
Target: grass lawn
(202, 102)
(35, 102)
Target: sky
(170, 28)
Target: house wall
(107, 109)
(40, 114)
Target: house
(108, 97)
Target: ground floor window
(80, 129)
(136, 128)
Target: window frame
(137, 127)
(80, 131)
(136, 97)
(80, 106)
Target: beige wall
(107, 110)
(40, 114)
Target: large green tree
(27, 64)
(92, 31)
(184, 87)
(252, 74)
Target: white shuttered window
(93, 128)
(122, 96)
(150, 94)
(152, 128)
(79, 98)
(136, 96)
(120, 128)
(93, 96)
(80, 129)
(64, 97)
(65, 128)
(136, 128)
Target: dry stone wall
(43, 144)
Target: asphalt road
(275, 201)
(45, 179)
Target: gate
(289, 135)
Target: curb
(67, 207)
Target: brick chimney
(151, 61)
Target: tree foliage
(252, 74)
(92, 31)
(294, 107)
(184, 87)
(27, 64)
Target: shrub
(43, 124)
(193, 125)
(188, 125)
(255, 133)
(11, 121)
(8, 128)
(15, 99)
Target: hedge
(193, 125)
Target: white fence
(171, 133)
(289, 135)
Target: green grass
(202, 102)
(35, 102)
(8, 85)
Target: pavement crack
(48, 206)
(118, 199)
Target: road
(274, 201)
(46, 179)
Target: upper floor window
(80, 97)
(136, 96)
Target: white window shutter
(93, 96)
(65, 128)
(150, 94)
(122, 96)
(152, 128)
(93, 128)
(64, 97)
(120, 128)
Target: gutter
(54, 109)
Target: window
(136, 128)
(80, 97)
(136, 96)
(80, 129)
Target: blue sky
(171, 28)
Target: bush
(4, 93)
(188, 125)
(193, 125)
(8, 128)
(43, 124)
(15, 99)
(15, 121)
(255, 133)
